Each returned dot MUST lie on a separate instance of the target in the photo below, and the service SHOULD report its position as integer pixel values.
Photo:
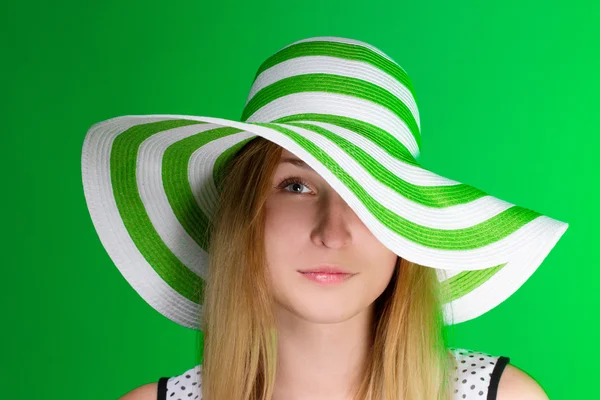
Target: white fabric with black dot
(185, 386)
(475, 376)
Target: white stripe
(338, 104)
(444, 274)
(509, 278)
(453, 217)
(487, 256)
(202, 185)
(337, 39)
(541, 234)
(336, 66)
(151, 189)
(410, 173)
(491, 255)
(201, 167)
(111, 230)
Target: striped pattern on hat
(350, 112)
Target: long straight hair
(408, 360)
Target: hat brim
(149, 184)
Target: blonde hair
(408, 357)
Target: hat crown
(330, 79)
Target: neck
(321, 361)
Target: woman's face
(309, 224)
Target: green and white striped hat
(349, 111)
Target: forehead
(287, 154)
(287, 158)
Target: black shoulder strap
(162, 389)
(495, 377)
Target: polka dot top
(476, 376)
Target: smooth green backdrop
(508, 96)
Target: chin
(331, 314)
(327, 319)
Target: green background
(508, 96)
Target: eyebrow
(295, 161)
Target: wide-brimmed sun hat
(349, 111)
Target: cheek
(380, 275)
(384, 263)
(376, 253)
(286, 232)
(386, 274)
(285, 219)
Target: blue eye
(293, 180)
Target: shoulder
(144, 392)
(515, 384)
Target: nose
(334, 221)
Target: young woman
(314, 252)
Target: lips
(326, 269)
(327, 274)
(327, 278)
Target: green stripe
(476, 236)
(333, 84)
(177, 185)
(430, 196)
(123, 162)
(382, 138)
(341, 50)
(223, 159)
(465, 282)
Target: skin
(322, 331)
(515, 384)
